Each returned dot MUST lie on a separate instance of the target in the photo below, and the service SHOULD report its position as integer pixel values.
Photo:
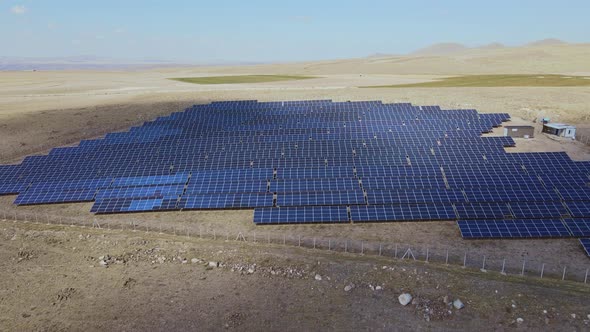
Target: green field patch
(240, 79)
(489, 81)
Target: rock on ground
(405, 299)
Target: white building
(560, 129)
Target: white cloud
(18, 9)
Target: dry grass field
(41, 110)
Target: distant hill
(75, 62)
(548, 42)
(492, 46)
(440, 49)
(91, 62)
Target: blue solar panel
(578, 227)
(415, 196)
(515, 229)
(225, 201)
(150, 180)
(364, 161)
(139, 192)
(483, 211)
(321, 198)
(45, 197)
(298, 215)
(402, 213)
(8, 188)
(579, 209)
(586, 245)
(538, 210)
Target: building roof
(559, 126)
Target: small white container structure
(560, 129)
(519, 131)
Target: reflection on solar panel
(319, 161)
(586, 244)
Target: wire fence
(443, 255)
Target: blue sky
(263, 31)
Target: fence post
(542, 270)
(395, 254)
(563, 276)
(380, 247)
(447, 258)
(345, 245)
(465, 259)
(314, 242)
(427, 254)
(523, 265)
(299, 244)
(586, 277)
(483, 266)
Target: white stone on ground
(318, 277)
(458, 304)
(405, 299)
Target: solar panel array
(319, 161)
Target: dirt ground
(52, 279)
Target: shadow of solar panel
(513, 229)
(578, 227)
(301, 215)
(402, 213)
(30, 197)
(586, 245)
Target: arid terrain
(51, 278)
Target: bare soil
(52, 280)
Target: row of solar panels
(574, 186)
(294, 150)
(456, 175)
(173, 163)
